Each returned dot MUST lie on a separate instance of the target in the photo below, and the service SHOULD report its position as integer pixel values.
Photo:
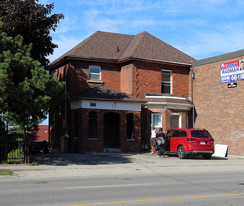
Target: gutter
(62, 60)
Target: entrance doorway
(111, 130)
(175, 121)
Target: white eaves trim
(168, 105)
(106, 105)
(167, 97)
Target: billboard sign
(232, 71)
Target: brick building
(218, 99)
(118, 86)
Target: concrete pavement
(107, 164)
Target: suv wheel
(207, 156)
(181, 152)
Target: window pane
(94, 76)
(165, 88)
(203, 134)
(157, 120)
(94, 70)
(182, 134)
(174, 121)
(166, 76)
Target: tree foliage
(33, 22)
(27, 91)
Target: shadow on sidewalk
(63, 159)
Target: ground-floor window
(175, 121)
(130, 126)
(157, 120)
(92, 125)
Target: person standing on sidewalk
(153, 140)
(161, 142)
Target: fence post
(5, 149)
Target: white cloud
(205, 44)
(68, 23)
(65, 43)
(200, 28)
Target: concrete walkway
(107, 164)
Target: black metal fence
(12, 150)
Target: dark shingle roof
(103, 92)
(119, 47)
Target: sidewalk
(107, 164)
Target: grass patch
(5, 172)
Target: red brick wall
(219, 108)
(138, 79)
(78, 75)
(110, 75)
(126, 79)
(180, 79)
(147, 79)
(42, 133)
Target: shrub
(16, 156)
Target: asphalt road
(191, 189)
(194, 187)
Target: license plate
(202, 142)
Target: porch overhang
(168, 102)
(105, 105)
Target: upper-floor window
(94, 72)
(166, 81)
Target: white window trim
(152, 115)
(166, 70)
(180, 118)
(98, 67)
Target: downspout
(193, 109)
(66, 106)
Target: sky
(199, 28)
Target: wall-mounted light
(193, 75)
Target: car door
(172, 140)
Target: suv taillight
(191, 140)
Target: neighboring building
(218, 89)
(118, 86)
(41, 134)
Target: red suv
(190, 141)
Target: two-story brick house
(118, 86)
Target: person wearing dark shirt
(160, 141)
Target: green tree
(2, 129)
(27, 91)
(33, 22)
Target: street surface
(133, 180)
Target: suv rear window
(202, 134)
(176, 133)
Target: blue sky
(200, 28)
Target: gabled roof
(104, 92)
(118, 48)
